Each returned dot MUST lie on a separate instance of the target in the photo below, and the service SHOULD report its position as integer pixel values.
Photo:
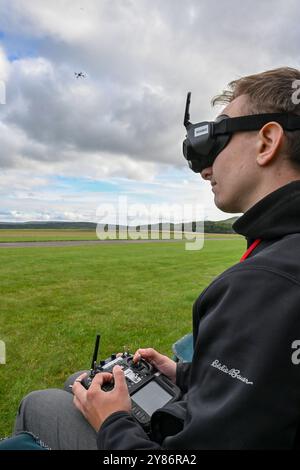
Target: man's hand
(162, 363)
(95, 404)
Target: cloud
(55, 110)
(4, 65)
(140, 57)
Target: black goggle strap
(254, 122)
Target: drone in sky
(79, 74)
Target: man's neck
(268, 187)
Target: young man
(242, 388)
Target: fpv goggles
(205, 140)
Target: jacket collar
(274, 216)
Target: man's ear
(270, 139)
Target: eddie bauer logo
(234, 373)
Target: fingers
(99, 380)
(78, 389)
(80, 377)
(149, 354)
(137, 356)
(119, 378)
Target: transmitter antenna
(186, 120)
(95, 355)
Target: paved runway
(92, 242)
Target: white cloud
(124, 119)
(4, 65)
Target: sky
(70, 145)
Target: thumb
(99, 380)
(119, 378)
(149, 354)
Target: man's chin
(227, 207)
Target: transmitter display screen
(151, 397)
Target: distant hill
(219, 226)
(48, 225)
(230, 221)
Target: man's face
(234, 173)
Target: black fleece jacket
(242, 389)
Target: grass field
(27, 235)
(55, 300)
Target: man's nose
(206, 173)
